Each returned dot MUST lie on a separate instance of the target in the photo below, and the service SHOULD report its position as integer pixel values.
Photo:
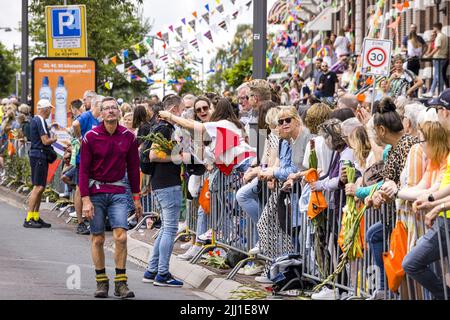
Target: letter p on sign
(66, 23)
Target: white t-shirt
(324, 155)
(341, 45)
(230, 154)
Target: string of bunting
(147, 64)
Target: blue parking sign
(66, 23)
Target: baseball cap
(442, 100)
(44, 103)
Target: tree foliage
(112, 25)
(9, 65)
(181, 69)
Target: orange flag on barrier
(52, 167)
(317, 202)
(204, 200)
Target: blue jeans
(202, 222)
(438, 79)
(417, 262)
(247, 198)
(376, 244)
(112, 205)
(169, 200)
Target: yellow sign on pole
(66, 31)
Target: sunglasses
(202, 109)
(243, 98)
(282, 121)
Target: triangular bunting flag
(125, 54)
(138, 63)
(199, 37)
(215, 28)
(171, 28)
(194, 14)
(145, 70)
(207, 7)
(235, 15)
(105, 61)
(206, 17)
(184, 21)
(114, 60)
(164, 58)
(233, 1)
(192, 24)
(185, 45)
(218, 1)
(220, 8)
(165, 37)
(223, 25)
(194, 43)
(179, 30)
(149, 42)
(228, 21)
(120, 68)
(137, 49)
(209, 36)
(248, 4)
(159, 34)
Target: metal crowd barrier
(316, 242)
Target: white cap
(44, 103)
(5, 101)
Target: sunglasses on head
(282, 121)
(202, 109)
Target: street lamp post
(24, 95)
(201, 61)
(259, 39)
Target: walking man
(107, 151)
(41, 142)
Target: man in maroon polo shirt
(107, 151)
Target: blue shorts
(39, 171)
(113, 206)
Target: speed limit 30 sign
(376, 57)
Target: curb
(139, 252)
(195, 275)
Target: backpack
(286, 274)
(148, 167)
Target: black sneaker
(32, 224)
(43, 223)
(83, 229)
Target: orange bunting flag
(194, 14)
(114, 60)
(406, 4)
(369, 81)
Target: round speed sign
(376, 57)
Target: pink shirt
(105, 158)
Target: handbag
(284, 211)
(394, 258)
(50, 154)
(372, 175)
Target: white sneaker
(377, 295)
(427, 95)
(254, 269)
(192, 252)
(206, 236)
(181, 227)
(186, 245)
(73, 214)
(326, 294)
(244, 269)
(263, 279)
(255, 250)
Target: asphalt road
(56, 264)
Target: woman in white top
(342, 44)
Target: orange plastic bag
(317, 202)
(11, 149)
(204, 199)
(394, 258)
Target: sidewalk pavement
(214, 284)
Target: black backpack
(148, 167)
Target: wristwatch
(430, 198)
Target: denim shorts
(113, 206)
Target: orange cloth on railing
(393, 259)
(317, 202)
(204, 199)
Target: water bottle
(45, 92)
(61, 103)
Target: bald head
(348, 101)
